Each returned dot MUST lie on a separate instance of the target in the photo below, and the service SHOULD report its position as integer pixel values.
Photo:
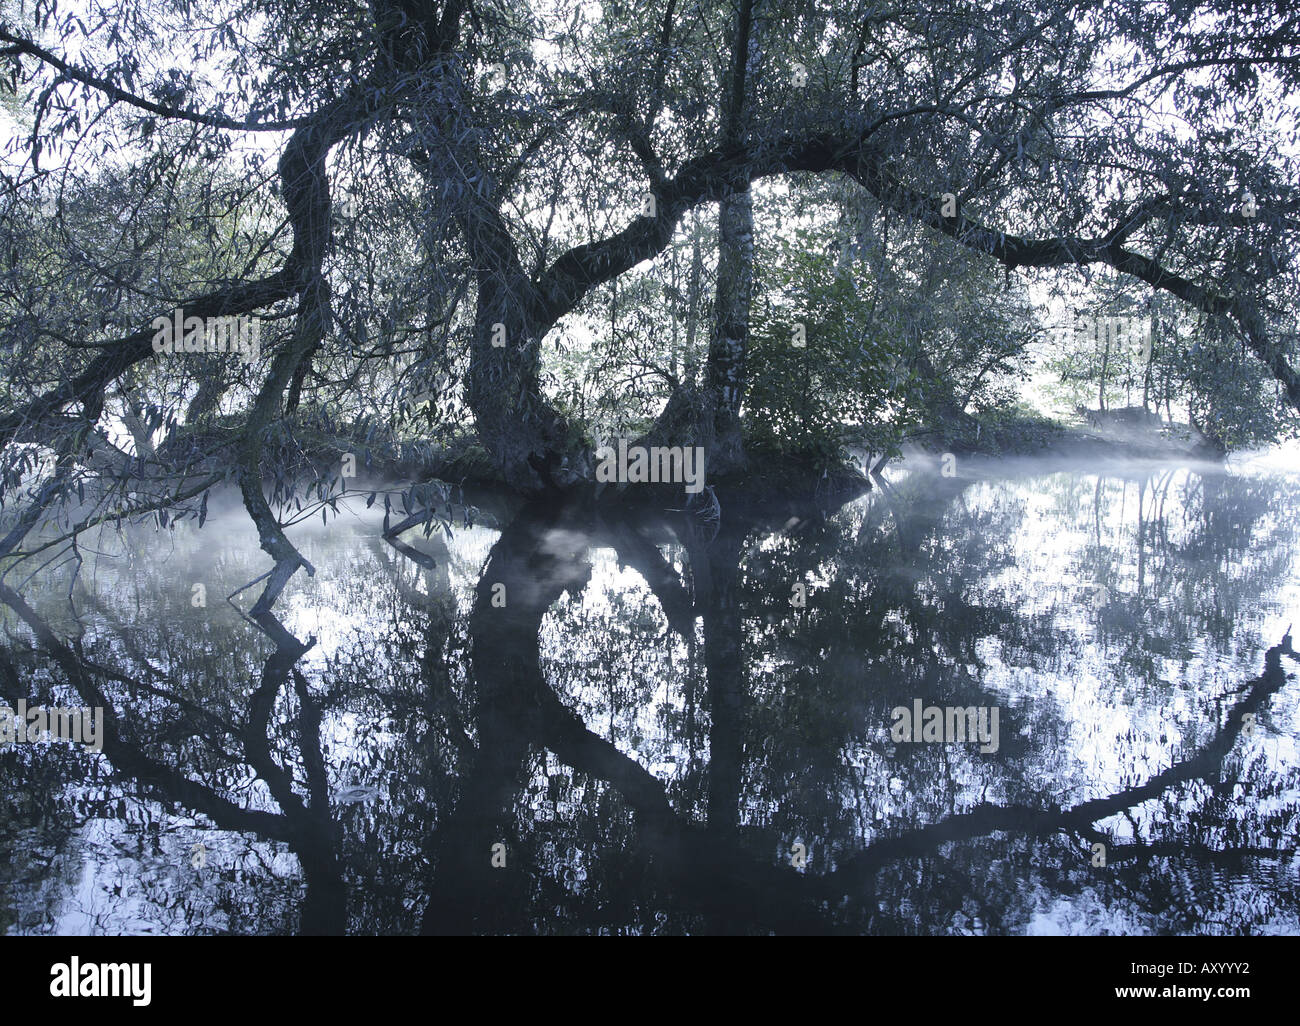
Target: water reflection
(588, 719)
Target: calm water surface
(545, 721)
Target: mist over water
(654, 730)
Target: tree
(1144, 137)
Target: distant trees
(1187, 368)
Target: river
(540, 720)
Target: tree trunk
(730, 340)
(691, 364)
(728, 346)
(1105, 364)
(525, 436)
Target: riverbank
(1024, 434)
